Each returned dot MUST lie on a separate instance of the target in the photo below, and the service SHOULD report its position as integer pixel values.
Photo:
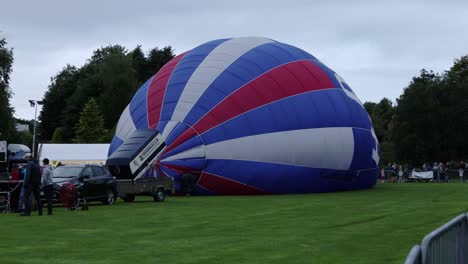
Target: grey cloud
(375, 46)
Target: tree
(140, 64)
(62, 87)
(431, 121)
(382, 118)
(156, 59)
(57, 137)
(455, 110)
(118, 82)
(90, 128)
(416, 132)
(111, 76)
(24, 137)
(7, 125)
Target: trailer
(132, 164)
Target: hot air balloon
(248, 115)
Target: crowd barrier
(452, 175)
(447, 244)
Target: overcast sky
(376, 46)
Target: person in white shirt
(460, 173)
(47, 184)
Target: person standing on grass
(47, 184)
(435, 171)
(32, 185)
(447, 167)
(441, 172)
(400, 173)
(406, 172)
(460, 172)
(22, 201)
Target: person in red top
(15, 174)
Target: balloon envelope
(254, 116)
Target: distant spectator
(394, 172)
(389, 171)
(47, 184)
(400, 173)
(461, 172)
(424, 167)
(447, 172)
(32, 185)
(21, 201)
(406, 171)
(443, 172)
(435, 170)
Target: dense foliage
(111, 76)
(7, 127)
(428, 122)
(90, 127)
(430, 119)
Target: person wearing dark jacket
(32, 185)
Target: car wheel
(127, 197)
(160, 195)
(110, 197)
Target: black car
(93, 182)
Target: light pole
(34, 103)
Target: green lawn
(372, 226)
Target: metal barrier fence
(446, 245)
(414, 257)
(452, 175)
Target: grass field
(372, 226)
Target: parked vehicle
(131, 164)
(94, 182)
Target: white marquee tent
(73, 153)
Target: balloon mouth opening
(184, 154)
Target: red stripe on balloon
(157, 89)
(221, 185)
(179, 168)
(297, 77)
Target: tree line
(83, 105)
(429, 121)
(7, 121)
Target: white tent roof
(73, 152)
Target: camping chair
(70, 198)
(4, 202)
(6, 192)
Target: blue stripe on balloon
(138, 106)
(177, 131)
(169, 172)
(189, 144)
(316, 109)
(364, 143)
(181, 74)
(281, 178)
(246, 68)
(114, 145)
